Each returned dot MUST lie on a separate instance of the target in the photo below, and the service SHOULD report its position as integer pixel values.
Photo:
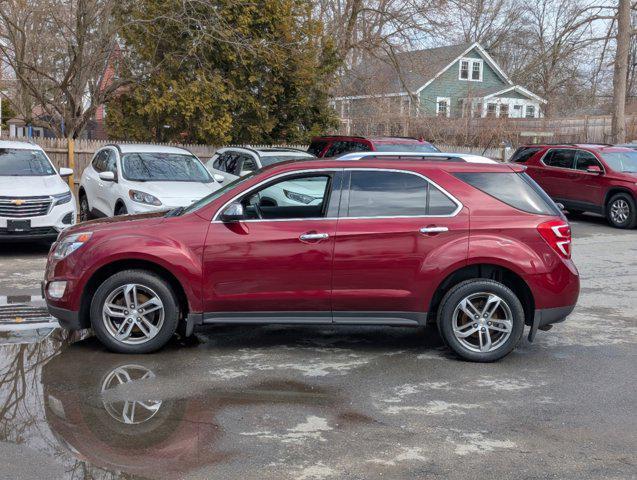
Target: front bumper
(67, 319)
(548, 316)
(43, 227)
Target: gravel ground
(281, 402)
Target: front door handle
(310, 237)
(434, 229)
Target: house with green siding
(452, 81)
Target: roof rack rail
(453, 157)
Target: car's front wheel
(134, 311)
(621, 211)
(85, 211)
(481, 320)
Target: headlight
(299, 197)
(62, 198)
(67, 245)
(141, 197)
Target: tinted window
(343, 147)
(586, 159)
(28, 163)
(514, 189)
(248, 164)
(522, 154)
(317, 147)
(562, 158)
(231, 163)
(272, 159)
(99, 161)
(380, 194)
(218, 162)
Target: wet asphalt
(285, 402)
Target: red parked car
(586, 178)
(478, 249)
(337, 145)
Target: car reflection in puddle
(144, 417)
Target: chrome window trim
(459, 205)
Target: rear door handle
(434, 229)
(309, 237)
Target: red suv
(478, 249)
(586, 178)
(337, 145)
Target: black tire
(120, 209)
(85, 210)
(477, 286)
(147, 280)
(621, 201)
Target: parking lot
(320, 402)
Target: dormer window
(470, 69)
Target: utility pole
(620, 72)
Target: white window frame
(471, 62)
(526, 111)
(447, 100)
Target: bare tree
(59, 52)
(620, 72)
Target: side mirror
(66, 172)
(107, 176)
(594, 169)
(219, 178)
(232, 213)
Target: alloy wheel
(482, 322)
(133, 314)
(619, 211)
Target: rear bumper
(548, 316)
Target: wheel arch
(490, 271)
(116, 266)
(614, 191)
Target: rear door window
(561, 158)
(517, 190)
(522, 154)
(376, 193)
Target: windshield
(163, 167)
(217, 193)
(405, 147)
(272, 159)
(24, 163)
(621, 161)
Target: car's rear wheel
(85, 211)
(621, 211)
(134, 311)
(481, 320)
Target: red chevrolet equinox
(478, 249)
(586, 178)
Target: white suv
(35, 202)
(134, 178)
(233, 162)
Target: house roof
(379, 75)
(407, 71)
(500, 90)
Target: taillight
(558, 235)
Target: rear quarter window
(517, 190)
(523, 154)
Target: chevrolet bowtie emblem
(17, 202)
